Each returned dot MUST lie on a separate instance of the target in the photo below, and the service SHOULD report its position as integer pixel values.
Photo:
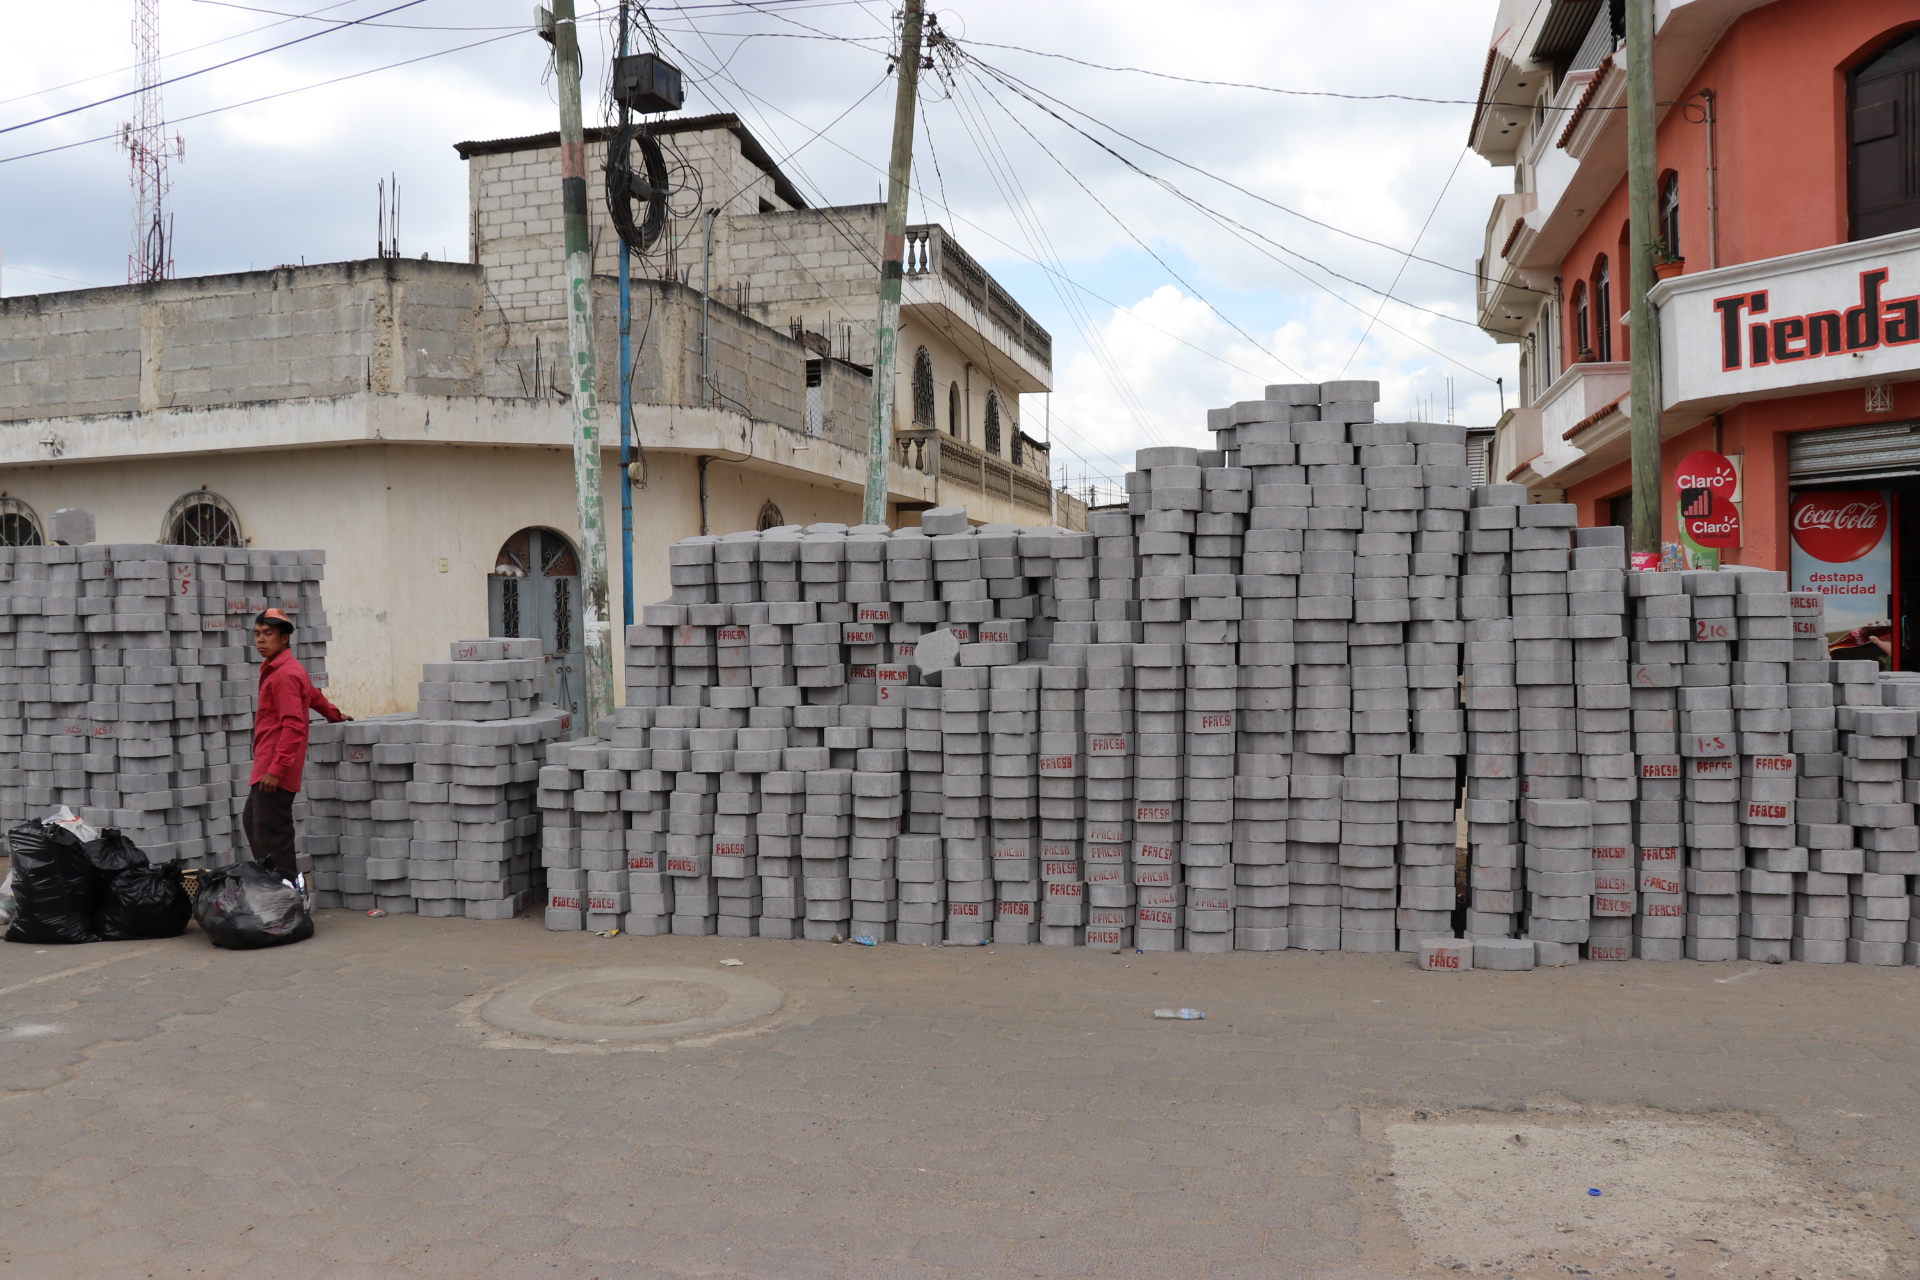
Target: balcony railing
(931, 251)
(953, 461)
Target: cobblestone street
(338, 1108)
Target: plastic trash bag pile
(70, 883)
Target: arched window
(993, 423)
(770, 517)
(953, 408)
(1670, 216)
(19, 526)
(1883, 169)
(202, 519)
(1602, 310)
(1018, 452)
(922, 389)
(1582, 323)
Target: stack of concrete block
(1062, 805)
(967, 853)
(1557, 818)
(1876, 742)
(1660, 626)
(1108, 627)
(408, 813)
(1489, 675)
(1597, 607)
(479, 685)
(1898, 689)
(1230, 716)
(1821, 905)
(1710, 769)
(128, 683)
(1763, 654)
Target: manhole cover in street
(640, 1005)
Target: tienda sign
(1750, 335)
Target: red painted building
(1789, 176)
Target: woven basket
(191, 879)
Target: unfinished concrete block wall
(515, 215)
(819, 266)
(289, 333)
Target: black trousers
(268, 822)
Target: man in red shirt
(287, 696)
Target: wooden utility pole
(886, 335)
(626, 384)
(585, 371)
(1644, 233)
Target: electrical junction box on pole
(646, 82)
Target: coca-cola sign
(1839, 528)
(1843, 551)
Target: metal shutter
(1878, 452)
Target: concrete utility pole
(586, 372)
(1645, 234)
(886, 335)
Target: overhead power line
(1267, 88)
(120, 71)
(1242, 231)
(1444, 188)
(1012, 81)
(188, 75)
(268, 97)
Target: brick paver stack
(1659, 626)
(1489, 686)
(1235, 715)
(127, 683)
(423, 812)
(1876, 743)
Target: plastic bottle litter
(1593, 1191)
(1183, 1015)
(864, 940)
(376, 912)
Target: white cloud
(294, 178)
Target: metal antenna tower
(148, 150)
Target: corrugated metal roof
(1567, 24)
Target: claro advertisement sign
(1845, 548)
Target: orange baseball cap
(276, 618)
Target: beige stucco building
(407, 416)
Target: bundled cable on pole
(637, 195)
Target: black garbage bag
(140, 900)
(113, 853)
(247, 905)
(55, 886)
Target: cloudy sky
(1209, 268)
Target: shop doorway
(534, 591)
(1879, 459)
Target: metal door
(534, 590)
